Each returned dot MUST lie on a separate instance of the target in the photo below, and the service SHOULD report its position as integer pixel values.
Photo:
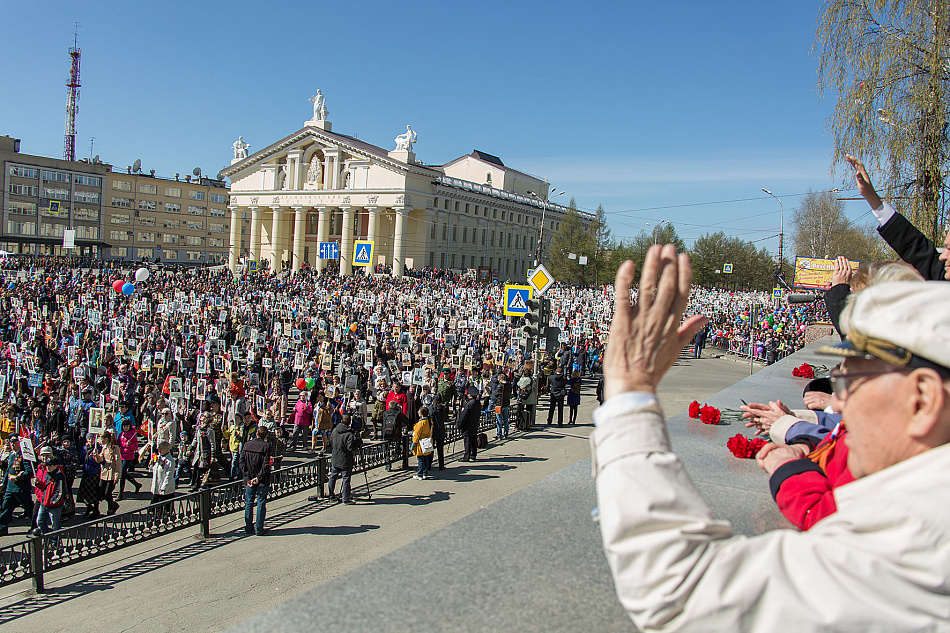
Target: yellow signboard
(814, 273)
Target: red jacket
(400, 398)
(804, 489)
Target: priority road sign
(329, 250)
(516, 300)
(540, 279)
(727, 268)
(363, 253)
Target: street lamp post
(781, 230)
(544, 208)
(656, 229)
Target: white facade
(320, 186)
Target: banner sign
(814, 273)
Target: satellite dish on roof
(137, 166)
(197, 172)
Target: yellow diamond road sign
(540, 279)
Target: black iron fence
(33, 557)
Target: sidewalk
(177, 583)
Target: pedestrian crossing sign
(516, 300)
(363, 253)
(727, 268)
(777, 293)
(540, 279)
(252, 266)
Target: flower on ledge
(709, 415)
(743, 447)
(694, 410)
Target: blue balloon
(11, 286)
(128, 288)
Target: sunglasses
(841, 382)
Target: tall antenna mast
(72, 99)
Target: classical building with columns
(317, 185)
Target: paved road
(177, 583)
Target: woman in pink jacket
(303, 419)
(129, 448)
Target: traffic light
(533, 318)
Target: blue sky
(658, 111)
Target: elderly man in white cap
(880, 563)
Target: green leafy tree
(571, 237)
(752, 268)
(886, 61)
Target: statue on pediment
(240, 148)
(281, 178)
(320, 111)
(404, 141)
(315, 172)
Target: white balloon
(141, 274)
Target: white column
(372, 228)
(300, 229)
(276, 240)
(255, 233)
(346, 243)
(234, 248)
(399, 242)
(323, 227)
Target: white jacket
(880, 563)
(163, 475)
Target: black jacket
(913, 247)
(345, 442)
(502, 395)
(835, 299)
(255, 461)
(394, 423)
(469, 417)
(557, 386)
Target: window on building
(56, 193)
(119, 251)
(120, 218)
(171, 207)
(194, 194)
(23, 190)
(89, 181)
(455, 233)
(173, 192)
(21, 228)
(88, 215)
(147, 205)
(152, 189)
(169, 238)
(51, 211)
(431, 258)
(494, 214)
(217, 213)
(191, 240)
(146, 220)
(141, 253)
(445, 231)
(24, 208)
(122, 185)
(91, 197)
(170, 224)
(218, 228)
(192, 225)
(432, 231)
(119, 236)
(463, 261)
(216, 242)
(166, 254)
(476, 210)
(86, 232)
(517, 239)
(446, 207)
(146, 236)
(467, 209)
(48, 229)
(442, 261)
(193, 255)
(453, 260)
(192, 210)
(492, 238)
(55, 176)
(124, 203)
(24, 172)
(220, 198)
(456, 207)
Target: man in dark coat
(468, 420)
(255, 464)
(345, 443)
(395, 424)
(557, 388)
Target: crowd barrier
(742, 349)
(32, 558)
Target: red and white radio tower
(72, 99)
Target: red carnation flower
(694, 409)
(797, 372)
(743, 447)
(709, 415)
(806, 371)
